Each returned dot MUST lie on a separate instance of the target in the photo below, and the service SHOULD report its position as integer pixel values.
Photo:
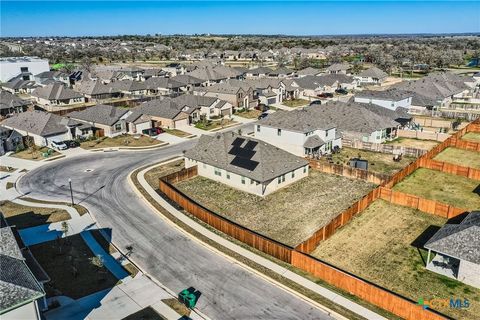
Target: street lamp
(71, 190)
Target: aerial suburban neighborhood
(195, 167)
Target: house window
(228, 175)
(118, 127)
(279, 180)
(326, 133)
(243, 180)
(217, 172)
(258, 128)
(23, 69)
(279, 132)
(392, 104)
(283, 178)
(305, 169)
(293, 174)
(251, 181)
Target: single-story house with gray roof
(372, 75)
(390, 99)
(457, 250)
(245, 163)
(101, 120)
(56, 94)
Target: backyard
(451, 189)
(121, 141)
(35, 153)
(414, 143)
(25, 217)
(295, 103)
(461, 157)
(289, 215)
(472, 136)
(380, 245)
(74, 271)
(377, 162)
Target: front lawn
(377, 161)
(177, 132)
(249, 114)
(466, 158)
(380, 245)
(448, 188)
(121, 141)
(35, 154)
(414, 143)
(295, 103)
(472, 136)
(291, 214)
(74, 270)
(25, 217)
(214, 124)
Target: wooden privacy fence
(349, 172)
(451, 168)
(424, 135)
(474, 128)
(363, 289)
(465, 144)
(383, 148)
(181, 175)
(425, 205)
(231, 228)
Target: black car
(316, 102)
(341, 91)
(263, 115)
(71, 143)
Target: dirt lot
(377, 162)
(444, 187)
(460, 157)
(472, 136)
(121, 141)
(69, 264)
(414, 143)
(26, 217)
(377, 246)
(289, 215)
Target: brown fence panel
(474, 128)
(451, 168)
(349, 172)
(363, 289)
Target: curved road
(100, 184)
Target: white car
(59, 145)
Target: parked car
(59, 145)
(315, 102)
(341, 91)
(71, 143)
(153, 131)
(325, 95)
(263, 115)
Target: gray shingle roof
(267, 161)
(308, 72)
(399, 113)
(163, 108)
(56, 91)
(314, 82)
(373, 72)
(186, 79)
(127, 85)
(313, 142)
(259, 70)
(461, 241)
(301, 120)
(281, 71)
(91, 87)
(18, 286)
(164, 83)
(338, 67)
(9, 100)
(393, 94)
(38, 122)
(102, 114)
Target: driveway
(229, 291)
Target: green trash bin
(188, 297)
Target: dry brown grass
(377, 161)
(289, 215)
(177, 132)
(7, 169)
(26, 217)
(414, 143)
(176, 305)
(295, 103)
(80, 209)
(29, 154)
(377, 246)
(451, 189)
(472, 136)
(250, 114)
(466, 158)
(121, 141)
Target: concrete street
(100, 183)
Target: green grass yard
(472, 136)
(212, 125)
(377, 246)
(451, 189)
(414, 143)
(295, 103)
(249, 114)
(466, 158)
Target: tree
(87, 64)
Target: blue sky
(44, 18)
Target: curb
(233, 260)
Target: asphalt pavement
(99, 181)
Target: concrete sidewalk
(334, 297)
